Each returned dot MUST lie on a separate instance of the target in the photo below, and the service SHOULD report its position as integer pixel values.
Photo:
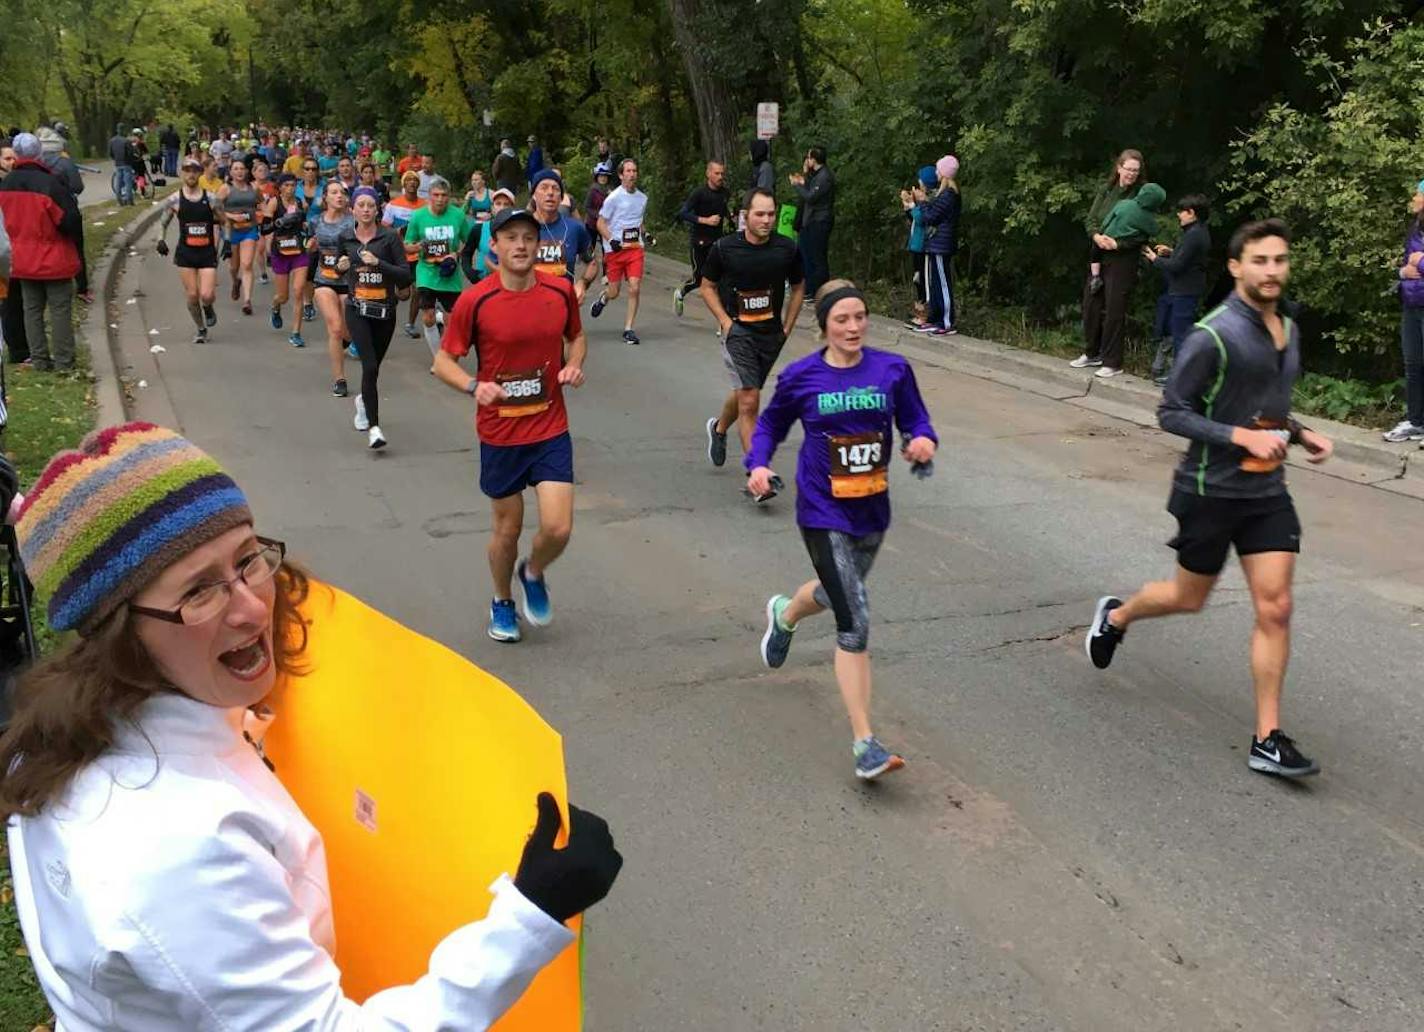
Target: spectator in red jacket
(43, 220)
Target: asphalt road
(1066, 849)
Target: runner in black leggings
(373, 261)
(849, 399)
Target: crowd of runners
(498, 276)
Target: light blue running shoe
(351, 350)
(296, 341)
(536, 596)
(872, 759)
(776, 642)
(504, 622)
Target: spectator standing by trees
(911, 199)
(1411, 324)
(121, 153)
(1184, 272)
(941, 220)
(505, 169)
(1129, 226)
(12, 306)
(534, 164)
(1099, 301)
(43, 220)
(816, 186)
(169, 142)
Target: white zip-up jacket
(177, 887)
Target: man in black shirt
(744, 284)
(704, 211)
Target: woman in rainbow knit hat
(164, 878)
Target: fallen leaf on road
(113, 326)
(96, 223)
(157, 349)
(143, 383)
(153, 333)
(131, 301)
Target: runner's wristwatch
(472, 386)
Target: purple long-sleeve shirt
(845, 414)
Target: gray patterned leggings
(842, 563)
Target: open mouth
(248, 662)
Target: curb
(1123, 397)
(108, 393)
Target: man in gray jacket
(1230, 395)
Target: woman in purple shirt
(1411, 324)
(849, 399)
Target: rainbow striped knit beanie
(107, 519)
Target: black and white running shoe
(1278, 755)
(1103, 638)
(716, 444)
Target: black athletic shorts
(428, 297)
(749, 356)
(1208, 527)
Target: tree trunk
(716, 106)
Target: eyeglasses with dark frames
(207, 601)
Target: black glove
(226, 251)
(615, 245)
(565, 882)
(162, 248)
(921, 470)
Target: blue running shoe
(596, 309)
(872, 759)
(276, 318)
(296, 341)
(308, 313)
(351, 349)
(504, 622)
(536, 596)
(776, 642)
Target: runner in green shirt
(439, 231)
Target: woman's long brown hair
(68, 706)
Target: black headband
(824, 306)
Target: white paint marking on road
(157, 349)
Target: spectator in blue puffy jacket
(941, 218)
(1411, 324)
(911, 199)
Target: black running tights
(372, 338)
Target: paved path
(1067, 849)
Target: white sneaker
(1083, 362)
(1107, 371)
(375, 439)
(361, 422)
(1404, 431)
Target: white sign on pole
(768, 120)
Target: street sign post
(768, 120)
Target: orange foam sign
(421, 772)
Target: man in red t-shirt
(523, 328)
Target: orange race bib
(327, 264)
(859, 464)
(436, 251)
(370, 285)
(289, 246)
(1251, 464)
(633, 237)
(527, 393)
(754, 305)
(197, 234)
(240, 219)
(549, 258)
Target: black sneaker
(338, 389)
(1103, 638)
(596, 309)
(210, 314)
(629, 337)
(1278, 755)
(716, 444)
